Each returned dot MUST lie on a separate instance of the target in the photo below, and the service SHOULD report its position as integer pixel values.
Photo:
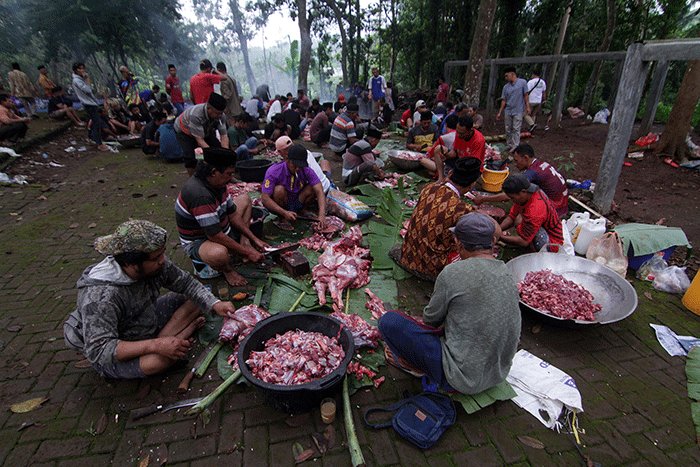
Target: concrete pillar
(558, 106)
(634, 72)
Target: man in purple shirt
(291, 186)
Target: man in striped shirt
(210, 222)
(343, 132)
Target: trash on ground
(18, 179)
(9, 151)
(543, 390)
(672, 343)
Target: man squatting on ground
(474, 305)
(212, 225)
(121, 323)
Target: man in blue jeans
(472, 324)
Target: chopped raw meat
(235, 330)
(358, 370)
(405, 225)
(560, 297)
(342, 264)
(378, 381)
(296, 357)
(334, 225)
(411, 203)
(363, 334)
(410, 156)
(391, 179)
(240, 188)
(314, 242)
(491, 153)
(245, 318)
(375, 305)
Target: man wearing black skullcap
(359, 161)
(343, 130)
(212, 225)
(428, 243)
(196, 128)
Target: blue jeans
(243, 151)
(418, 344)
(179, 107)
(303, 124)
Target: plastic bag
(601, 116)
(651, 268)
(346, 206)
(607, 250)
(672, 280)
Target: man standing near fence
(515, 101)
(537, 95)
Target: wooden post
(490, 94)
(657, 85)
(616, 83)
(558, 106)
(629, 93)
(447, 72)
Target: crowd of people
(445, 241)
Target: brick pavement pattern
(634, 395)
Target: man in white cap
(471, 325)
(121, 323)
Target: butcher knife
(139, 413)
(185, 384)
(284, 249)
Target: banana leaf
(476, 402)
(367, 190)
(286, 291)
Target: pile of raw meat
(343, 264)
(363, 334)
(240, 188)
(314, 242)
(404, 230)
(334, 225)
(234, 330)
(410, 156)
(296, 357)
(560, 297)
(391, 179)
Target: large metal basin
(610, 290)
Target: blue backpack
(420, 419)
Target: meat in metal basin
(610, 290)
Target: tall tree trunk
(343, 39)
(560, 43)
(604, 46)
(394, 50)
(672, 141)
(243, 41)
(305, 49)
(478, 50)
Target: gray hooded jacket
(112, 307)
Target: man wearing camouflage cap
(121, 323)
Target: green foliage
(566, 164)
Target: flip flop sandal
(394, 361)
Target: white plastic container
(590, 229)
(574, 224)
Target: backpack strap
(390, 408)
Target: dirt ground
(649, 191)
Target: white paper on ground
(672, 342)
(542, 387)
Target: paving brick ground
(634, 395)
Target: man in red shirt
(172, 87)
(443, 90)
(532, 214)
(202, 84)
(468, 143)
(541, 174)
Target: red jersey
(172, 87)
(405, 116)
(475, 147)
(202, 85)
(552, 183)
(538, 212)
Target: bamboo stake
(206, 402)
(296, 304)
(356, 456)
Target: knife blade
(139, 413)
(185, 383)
(279, 251)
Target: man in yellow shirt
(45, 82)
